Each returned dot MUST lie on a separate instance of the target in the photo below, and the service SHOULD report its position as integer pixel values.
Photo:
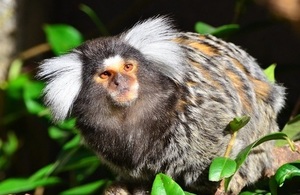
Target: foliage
(164, 185)
(222, 31)
(62, 37)
(270, 72)
(292, 130)
(74, 167)
(73, 158)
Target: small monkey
(154, 99)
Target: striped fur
(190, 87)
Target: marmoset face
(118, 78)
(117, 72)
(113, 68)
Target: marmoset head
(114, 70)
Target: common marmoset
(154, 99)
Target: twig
(230, 144)
(34, 51)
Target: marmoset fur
(156, 100)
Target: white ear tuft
(63, 75)
(155, 39)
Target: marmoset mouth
(124, 97)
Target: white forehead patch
(111, 61)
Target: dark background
(267, 38)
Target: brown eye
(128, 67)
(105, 75)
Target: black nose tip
(116, 82)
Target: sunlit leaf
(68, 124)
(74, 142)
(17, 185)
(41, 173)
(15, 69)
(62, 37)
(165, 185)
(58, 134)
(33, 106)
(220, 168)
(270, 73)
(204, 28)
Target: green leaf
(165, 185)
(43, 172)
(62, 37)
(33, 89)
(286, 172)
(68, 124)
(93, 16)
(226, 30)
(15, 69)
(61, 132)
(242, 155)
(238, 122)
(204, 28)
(15, 86)
(85, 189)
(11, 145)
(221, 31)
(270, 73)
(291, 129)
(34, 107)
(58, 134)
(220, 168)
(74, 142)
(17, 185)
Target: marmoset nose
(119, 80)
(116, 82)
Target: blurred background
(269, 30)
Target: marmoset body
(154, 99)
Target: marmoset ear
(64, 80)
(155, 39)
